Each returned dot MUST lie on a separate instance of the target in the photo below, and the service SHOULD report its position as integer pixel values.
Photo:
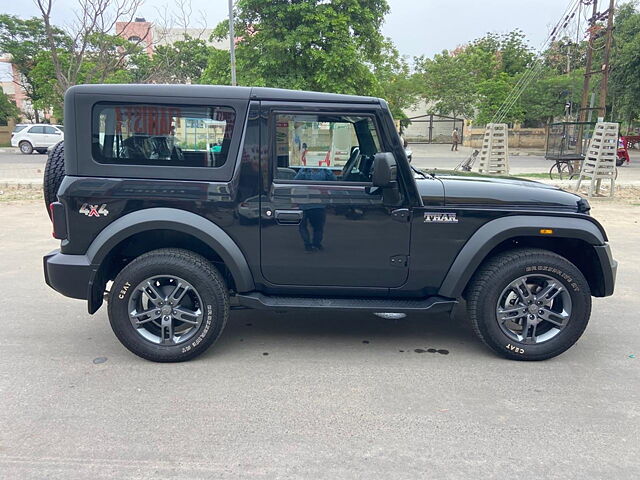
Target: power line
(536, 67)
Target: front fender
(490, 235)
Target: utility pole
(232, 45)
(587, 78)
(606, 68)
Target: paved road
(18, 168)
(74, 404)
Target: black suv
(179, 203)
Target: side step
(260, 301)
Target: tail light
(59, 220)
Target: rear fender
(166, 219)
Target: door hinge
(399, 261)
(401, 214)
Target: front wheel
(529, 304)
(168, 305)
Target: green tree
(218, 69)
(545, 99)
(306, 44)
(474, 79)
(446, 81)
(624, 87)
(8, 109)
(25, 40)
(491, 95)
(183, 61)
(396, 84)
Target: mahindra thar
(177, 203)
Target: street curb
(21, 184)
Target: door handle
(289, 217)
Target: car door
(51, 136)
(36, 136)
(322, 224)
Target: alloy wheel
(533, 309)
(165, 310)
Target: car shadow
(268, 331)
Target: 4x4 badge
(93, 210)
(438, 217)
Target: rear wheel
(561, 171)
(168, 305)
(529, 304)
(25, 147)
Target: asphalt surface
(16, 168)
(337, 396)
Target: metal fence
(433, 129)
(568, 140)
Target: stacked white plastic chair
(600, 160)
(494, 155)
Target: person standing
(455, 139)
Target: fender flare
(172, 219)
(492, 233)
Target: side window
(325, 147)
(50, 130)
(162, 135)
(38, 129)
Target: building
(149, 35)
(139, 31)
(10, 81)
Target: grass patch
(532, 175)
(12, 194)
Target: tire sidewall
(571, 279)
(29, 148)
(214, 306)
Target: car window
(36, 129)
(162, 135)
(60, 127)
(323, 147)
(19, 128)
(50, 130)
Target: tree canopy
(324, 45)
(625, 76)
(8, 109)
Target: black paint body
(256, 227)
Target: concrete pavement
(323, 404)
(16, 168)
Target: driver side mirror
(385, 171)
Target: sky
(417, 27)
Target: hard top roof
(218, 91)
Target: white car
(38, 137)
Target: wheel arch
(128, 237)
(575, 239)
